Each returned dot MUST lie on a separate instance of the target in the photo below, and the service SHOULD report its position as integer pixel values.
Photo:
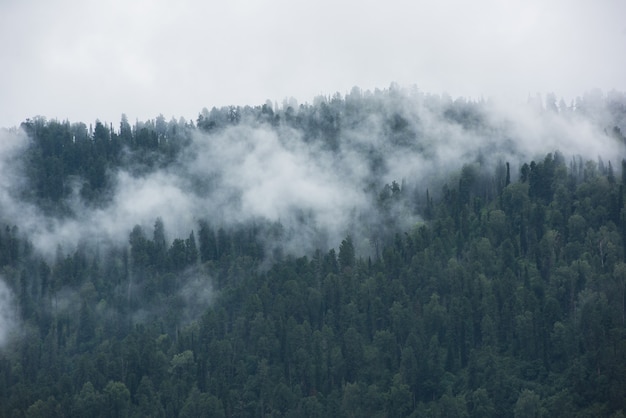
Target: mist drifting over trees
(382, 253)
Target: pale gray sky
(85, 59)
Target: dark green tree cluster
(67, 158)
(506, 306)
(64, 158)
(508, 299)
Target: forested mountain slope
(384, 254)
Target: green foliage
(61, 152)
(508, 300)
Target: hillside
(387, 253)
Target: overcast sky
(85, 59)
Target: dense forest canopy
(386, 253)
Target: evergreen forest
(379, 254)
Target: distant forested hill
(386, 253)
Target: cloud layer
(318, 193)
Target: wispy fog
(7, 312)
(317, 192)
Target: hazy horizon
(84, 61)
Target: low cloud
(318, 191)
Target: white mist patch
(12, 145)
(137, 201)
(142, 200)
(7, 313)
(273, 174)
(536, 131)
(275, 180)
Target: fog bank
(318, 170)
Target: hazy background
(82, 60)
